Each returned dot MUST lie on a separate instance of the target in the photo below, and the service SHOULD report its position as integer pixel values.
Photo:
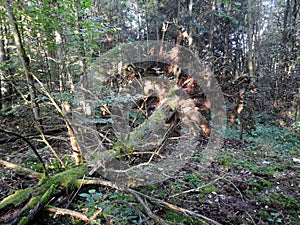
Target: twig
(242, 197)
(30, 145)
(60, 211)
(50, 147)
(77, 152)
(156, 201)
(147, 208)
(252, 220)
(26, 170)
(162, 203)
(75, 194)
(198, 188)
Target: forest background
(47, 46)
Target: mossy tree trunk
(26, 203)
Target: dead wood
(13, 138)
(32, 200)
(142, 198)
(30, 145)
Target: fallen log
(25, 204)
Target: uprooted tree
(136, 124)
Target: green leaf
(92, 191)
(102, 204)
(97, 196)
(90, 204)
(107, 210)
(84, 195)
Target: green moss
(17, 198)
(263, 215)
(67, 179)
(120, 148)
(265, 183)
(48, 194)
(23, 221)
(174, 217)
(208, 190)
(32, 203)
(152, 187)
(36, 167)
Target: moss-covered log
(24, 204)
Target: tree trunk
(2, 71)
(284, 54)
(25, 61)
(250, 43)
(156, 22)
(211, 27)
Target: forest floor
(254, 181)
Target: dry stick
(26, 170)
(198, 188)
(51, 149)
(126, 189)
(252, 220)
(242, 197)
(147, 208)
(30, 145)
(81, 216)
(20, 93)
(156, 201)
(61, 211)
(75, 146)
(162, 203)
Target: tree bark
(2, 71)
(250, 42)
(211, 26)
(24, 59)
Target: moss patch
(16, 199)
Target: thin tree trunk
(191, 30)
(156, 23)
(24, 59)
(295, 12)
(257, 54)
(284, 53)
(250, 43)
(178, 11)
(211, 26)
(2, 71)
(147, 19)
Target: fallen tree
(27, 203)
